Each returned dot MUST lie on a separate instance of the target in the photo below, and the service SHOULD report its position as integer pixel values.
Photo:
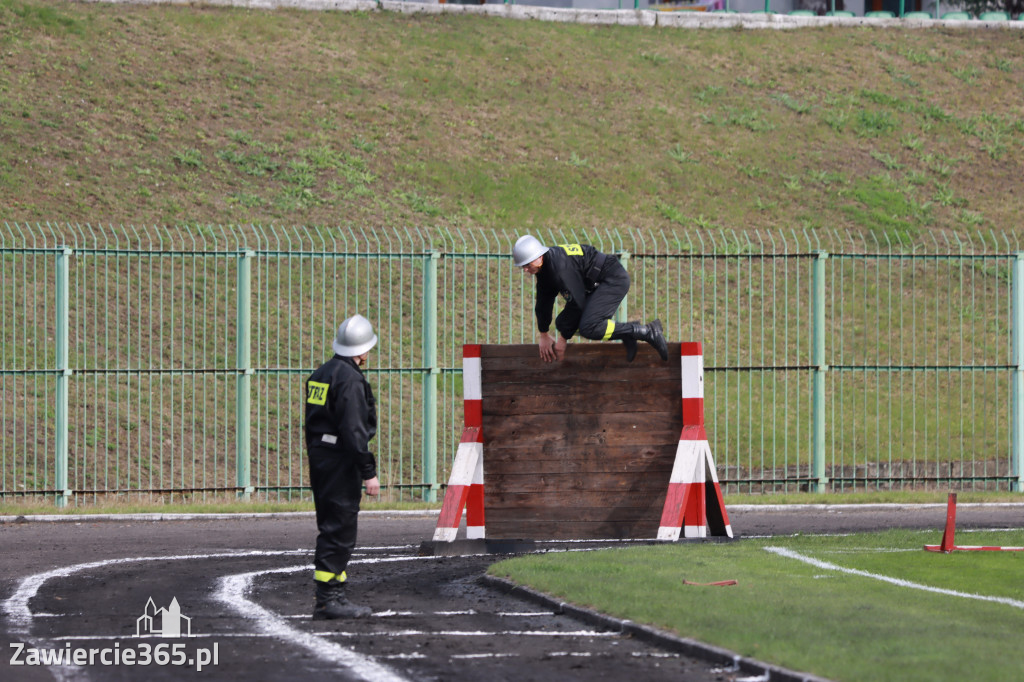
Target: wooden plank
(627, 459)
(623, 400)
(620, 514)
(602, 379)
(568, 530)
(579, 357)
(510, 383)
(578, 523)
(588, 482)
(561, 431)
(608, 501)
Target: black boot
(652, 334)
(331, 602)
(631, 332)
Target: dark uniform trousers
(337, 489)
(600, 306)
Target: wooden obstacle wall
(581, 449)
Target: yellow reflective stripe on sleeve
(572, 249)
(316, 393)
(609, 330)
(326, 576)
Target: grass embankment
(234, 116)
(815, 618)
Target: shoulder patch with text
(316, 393)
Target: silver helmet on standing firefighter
(355, 336)
(527, 249)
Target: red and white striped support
(465, 489)
(694, 495)
(692, 367)
(948, 545)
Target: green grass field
(872, 606)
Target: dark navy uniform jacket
(341, 412)
(572, 270)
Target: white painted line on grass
(876, 550)
(790, 554)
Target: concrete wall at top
(625, 17)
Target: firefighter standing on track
(341, 419)
(593, 285)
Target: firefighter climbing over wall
(593, 285)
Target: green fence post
(622, 314)
(430, 378)
(63, 379)
(818, 361)
(243, 381)
(1017, 383)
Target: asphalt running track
(243, 584)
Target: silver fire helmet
(355, 336)
(527, 250)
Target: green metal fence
(170, 361)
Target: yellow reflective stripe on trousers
(326, 576)
(609, 330)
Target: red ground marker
(948, 544)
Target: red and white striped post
(694, 495)
(466, 484)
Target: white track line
(20, 616)
(233, 593)
(790, 554)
